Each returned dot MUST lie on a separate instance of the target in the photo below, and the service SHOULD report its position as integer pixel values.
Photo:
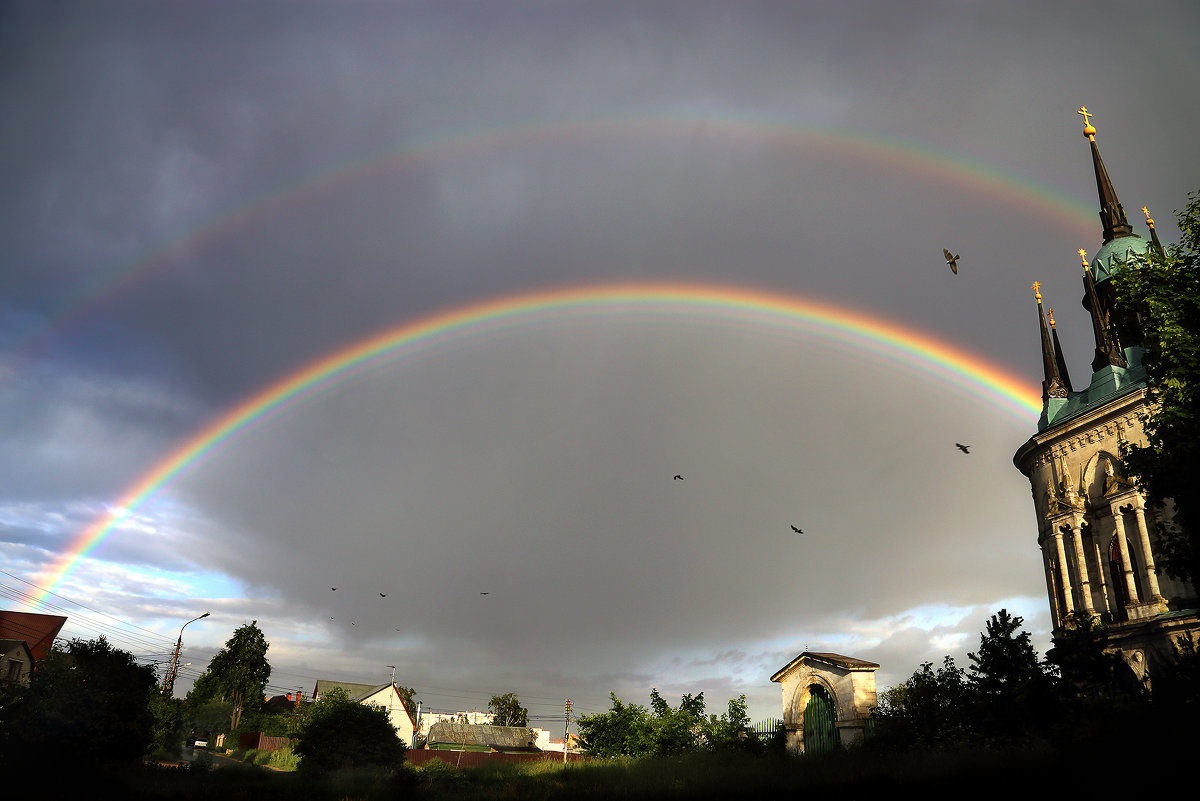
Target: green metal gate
(820, 722)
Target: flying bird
(952, 260)
(485, 593)
(333, 589)
(383, 595)
(678, 478)
(797, 530)
(963, 448)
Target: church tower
(1093, 524)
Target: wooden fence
(473, 759)
(263, 742)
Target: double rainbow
(805, 318)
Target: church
(1095, 530)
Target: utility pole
(416, 725)
(567, 732)
(169, 679)
(393, 667)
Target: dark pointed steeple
(1112, 214)
(1052, 386)
(1059, 359)
(1108, 351)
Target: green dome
(1112, 254)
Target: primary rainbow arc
(842, 326)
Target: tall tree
(1006, 658)
(1014, 692)
(507, 711)
(237, 674)
(1158, 303)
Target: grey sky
(825, 151)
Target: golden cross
(1083, 110)
(1050, 314)
(1149, 221)
(1083, 257)
(1035, 287)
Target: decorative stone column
(1085, 586)
(1123, 550)
(1063, 573)
(1139, 513)
(1056, 611)
(1103, 580)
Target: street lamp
(169, 679)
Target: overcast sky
(201, 198)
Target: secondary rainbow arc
(905, 156)
(845, 327)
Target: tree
(677, 731)
(1013, 689)
(341, 733)
(731, 731)
(1158, 304)
(632, 730)
(237, 674)
(1087, 671)
(625, 730)
(1006, 658)
(89, 700)
(930, 708)
(408, 696)
(507, 711)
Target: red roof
(38, 631)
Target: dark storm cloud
(532, 466)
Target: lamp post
(169, 679)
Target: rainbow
(909, 157)
(807, 318)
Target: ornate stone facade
(1094, 529)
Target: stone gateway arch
(827, 700)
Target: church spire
(1112, 214)
(1052, 386)
(1153, 234)
(1059, 360)
(1108, 352)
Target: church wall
(1066, 468)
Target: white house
(384, 696)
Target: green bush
(340, 734)
(284, 758)
(436, 773)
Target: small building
(385, 696)
(37, 630)
(496, 739)
(429, 719)
(827, 700)
(16, 661)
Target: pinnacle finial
(1036, 290)
(1149, 222)
(1050, 314)
(1083, 257)
(1089, 130)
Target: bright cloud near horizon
(201, 200)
